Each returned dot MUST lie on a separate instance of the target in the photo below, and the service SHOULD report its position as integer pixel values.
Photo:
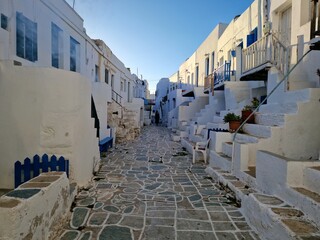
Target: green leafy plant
(231, 117)
(247, 107)
(255, 102)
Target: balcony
(221, 74)
(266, 52)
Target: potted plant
(233, 120)
(248, 109)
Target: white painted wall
(101, 99)
(304, 76)
(46, 111)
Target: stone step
(251, 171)
(275, 173)
(302, 95)
(248, 177)
(220, 160)
(257, 130)
(312, 179)
(307, 201)
(276, 219)
(227, 149)
(272, 217)
(246, 138)
(291, 107)
(270, 119)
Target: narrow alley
(149, 189)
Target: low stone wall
(35, 207)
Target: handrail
(116, 97)
(264, 100)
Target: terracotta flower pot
(234, 125)
(245, 114)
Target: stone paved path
(149, 189)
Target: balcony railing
(267, 49)
(222, 74)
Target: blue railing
(222, 73)
(28, 170)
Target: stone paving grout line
(149, 189)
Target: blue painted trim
(105, 144)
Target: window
(106, 76)
(124, 85)
(207, 66)
(74, 55)
(97, 78)
(56, 46)
(26, 38)
(4, 22)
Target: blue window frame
(26, 38)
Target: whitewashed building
(262, 53)
(58, 87)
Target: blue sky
(154, 37)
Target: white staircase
(279, 156)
